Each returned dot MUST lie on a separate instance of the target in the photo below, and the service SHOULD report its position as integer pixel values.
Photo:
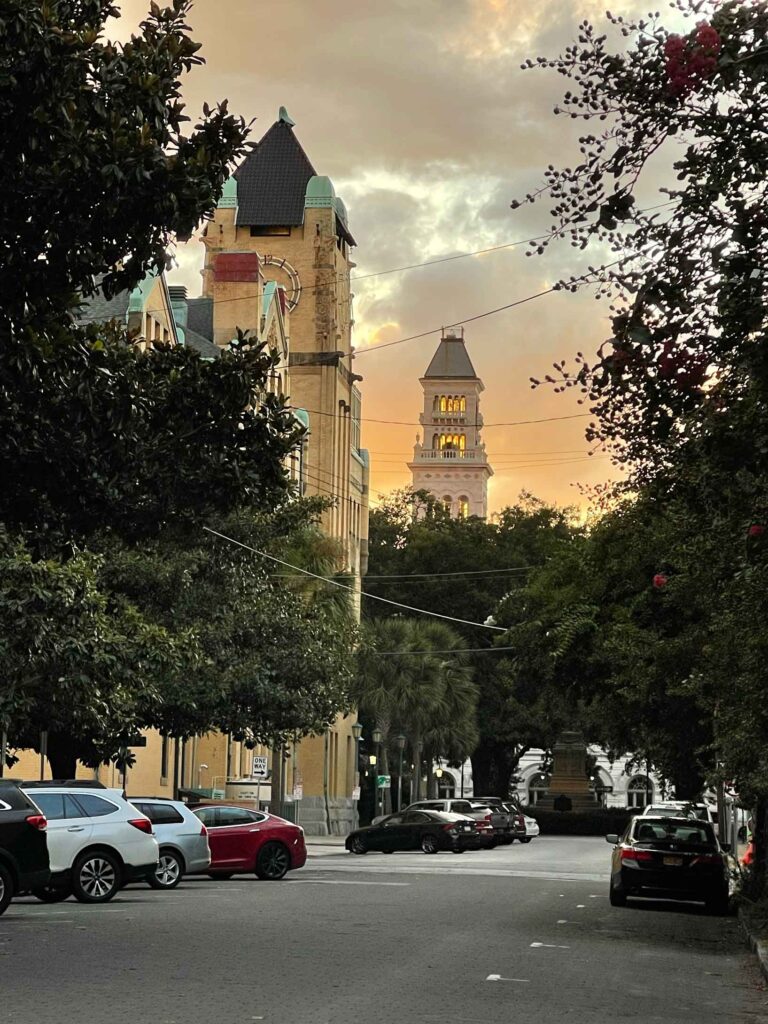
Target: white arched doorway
(639, 791)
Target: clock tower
(450, 461)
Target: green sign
(383, 781)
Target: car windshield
(681, 833)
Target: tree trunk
(62, 755)
(689, 782)
(416, 745)
(492, 768)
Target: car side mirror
(612, 839)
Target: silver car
(181, 836)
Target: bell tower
(449, 459)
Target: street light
(438, 776)
(200, 769)
(357, 732)
(401, 748)
(376, 736)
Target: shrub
(598, 822)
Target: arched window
(448, 502)
(435, 441)
(436, 403)
(446, 787)
(463, 404)
(463, 441)
(451, 405)
(639, 791)
(463, 506)
(442, 403)
(538, 787)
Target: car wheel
(273, 862)
(52, 893)
(525, 839)
(429, 844)
(387, 851)
(459, 849)
(358, 845)
(223, 876)
(616, 897)
(6, 888)
(169, 871)
(96, 877)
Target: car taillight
(636, 855)
(521, 820)
(488, 818)
(142, 824)
(707, 858)
(203, 830)
(38, 821)
(449, 828)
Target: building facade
(449, 458)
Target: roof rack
(50, 783)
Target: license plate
(466, 828)
(673, 862)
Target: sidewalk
(325, 841)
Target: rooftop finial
(285, 117)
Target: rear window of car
(95, 806)
(56, 806)
(12, 799)
(461, 806)
(160, 814)
(693, 833)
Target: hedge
(600, 822)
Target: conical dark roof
(451, 360)
(272, 180)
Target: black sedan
(669, 858)
(430, 831)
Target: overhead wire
(352, 590)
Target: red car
(242, 841)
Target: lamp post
(200, 769)
(401, 748)
(377, 737)
(357, 732)
(438, 776)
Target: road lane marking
(547, 945)
(580, 906)
(562, 921)
(498, 977)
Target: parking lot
(517, 933)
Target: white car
(531, 829)
(681, 809)
(97, 841)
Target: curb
(758, 946)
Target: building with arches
(451, 461)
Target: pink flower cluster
(691, 59)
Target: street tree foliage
(414, 539)
(113, 459)
(101, 167)
(670, 187)
(413, 679)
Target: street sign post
(258, 772)
(383, 781)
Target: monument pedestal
(569, 786)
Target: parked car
(181, 837)
(494, 811)
(669, 858)
(531, 829)
(682, 809)
(481, 814)
(24, 861)
(242, 841)
(430, 831)
(97, 841)
(515, 817)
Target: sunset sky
(419, 112)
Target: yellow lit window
(442, 403)
(463, 404)
(463, 507)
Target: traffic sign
(298, 791)
(383, 781)
(259, 767)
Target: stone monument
(569, 786)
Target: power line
(416, 423)
(352, 590)
(448, 650)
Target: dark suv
(23, 846)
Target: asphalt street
(521, 933)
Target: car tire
(6, 888)
(221, 876)
(459, 849)
(429, 844)
(387, 851)
(273, 862)
(616, 897)
(525, 839)
(358, 846)
(96, 877)
(52, 893)
(169, 871)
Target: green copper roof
(320, 191)
(228, 199)
(302, 416)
